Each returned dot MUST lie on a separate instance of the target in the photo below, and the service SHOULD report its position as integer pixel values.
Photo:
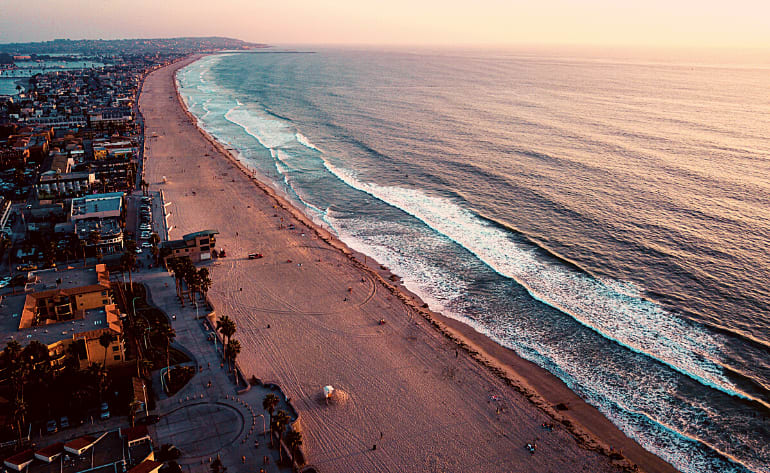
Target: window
(104, 293)
(105, 301)
(115, 348)
(116, 357)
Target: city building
(102, 215)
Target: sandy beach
(429, 392)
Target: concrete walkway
(204, 421)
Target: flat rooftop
(107, 227)
(94, 203)
(10, 316)
(75, 277)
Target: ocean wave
(304, 141)
(614, 309)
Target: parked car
(64, 422)
(105, 411)
(146, 244)
(26, 267)
(138, 251)
(255, 255)
(50, 427)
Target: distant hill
(162, 46)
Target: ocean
(606, 218)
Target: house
(71, 293)
(198, 246)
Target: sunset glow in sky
(680, 23)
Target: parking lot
(145, 216)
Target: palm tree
(232, 351)
(83, 247)
(105, 340)
(281, 421)
(19, 413)
(127, 261)
(294, 440)
(133, 407)
(269, 403)
(155, 251)
(217, 466)
(204, 281)
(145, 186)
(226, 326)
(154, 238)
(167, 332)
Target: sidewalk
(200, 420)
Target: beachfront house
(197, 246)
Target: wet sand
(431, 393)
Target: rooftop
(70, 277)
(201, 233)
(10, 313)
(107, 450)
(94, 203)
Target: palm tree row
(128, 260)
(197, 281)
(278, 423)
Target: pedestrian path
(207, 416)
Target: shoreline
(544, 391)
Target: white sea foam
(270, 132)
(619, 315)
(302, 139)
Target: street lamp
(264, 429)
(144, 390)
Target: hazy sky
(707, 23)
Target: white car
(146, 244)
